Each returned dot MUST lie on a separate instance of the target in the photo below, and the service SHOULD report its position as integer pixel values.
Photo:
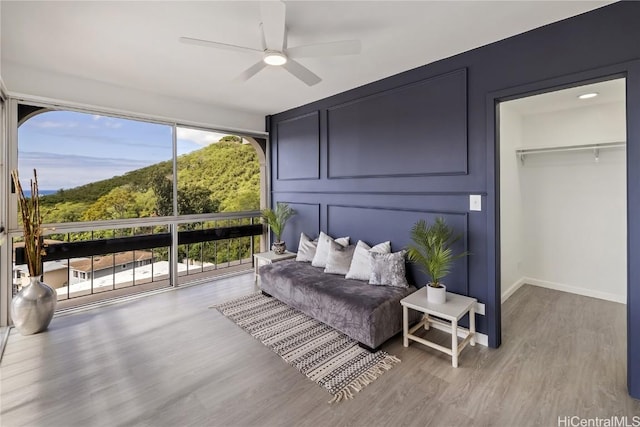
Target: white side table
(270, 257)
(452, 310)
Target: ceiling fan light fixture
(274, 58)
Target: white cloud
(48, 124)
(200, 137)
(113, 124)
(57, 171)
(108, 122)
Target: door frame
(631, 72)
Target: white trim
(3, 89)
(513, 288)
(93, 109)
(481, 338)
(74, 227)
(575, 290)
(6, 271)
(563, 288)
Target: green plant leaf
(277, 219)
(431, 248)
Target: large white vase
(32, 309)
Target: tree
(231, 139)
(163, 189)
(119, 203)
(196, 200)
(246, 199)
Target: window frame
(9, 161)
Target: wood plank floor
(168, 360)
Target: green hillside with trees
(221, 177)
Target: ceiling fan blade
(251, 71)
(302, 72)
(217, 45)
(345, 47)
(273, 22)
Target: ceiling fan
(274, 46)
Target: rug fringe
(366, 378)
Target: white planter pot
(437, 295)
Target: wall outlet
(480, 308)
(475, 202)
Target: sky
(69, 149)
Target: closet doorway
(563, 209)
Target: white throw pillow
(322, 252)
(339, 258)
(306, 248)
(360, 268)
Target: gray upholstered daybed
(368, 314)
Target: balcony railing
(88, 263)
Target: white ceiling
(609, 92)
(135, 44)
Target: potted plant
(431, 251)
(33, 307)
(276, 219)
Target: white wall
(573, 208)
(45, 84)
(512, 241)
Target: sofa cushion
(368, 314)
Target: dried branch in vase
(31, 224)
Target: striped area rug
(324, 355)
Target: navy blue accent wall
(370, 161)
(298, 148)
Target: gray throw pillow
(339, 258)
(388, 269)
(306, 248)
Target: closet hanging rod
(522, 152)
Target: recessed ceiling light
(588, 95)
(274, 58)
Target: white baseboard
(481, 339)
(513, 288)
(575, 290)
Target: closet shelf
(596, 147)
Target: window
(217, 172)
(93, 167)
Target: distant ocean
(42, 192)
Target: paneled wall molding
(420, 129)
(394, 223)
(387, 193)
(306, 220)
(410, 85)
(507, 68)
(297, 147)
